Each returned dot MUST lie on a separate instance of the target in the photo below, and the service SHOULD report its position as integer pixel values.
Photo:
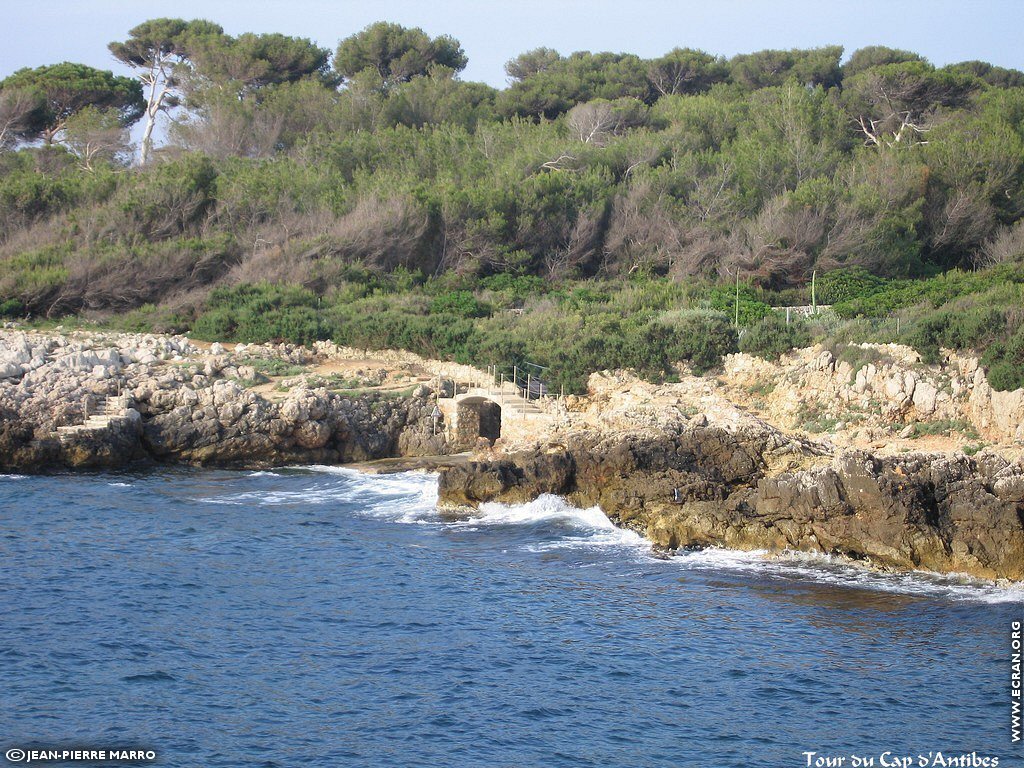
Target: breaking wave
(548, 524)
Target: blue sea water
(319, 617)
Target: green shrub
(848, 284)
(260, 313)
(11, 308)
(459, 303)
(700, 337)
(515, 289)
(966, 329)
(773, 337)
(934, 291)
(751, 307)
(1005, 362)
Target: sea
(316, 616)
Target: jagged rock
(312, 434)
(183, 415)
(925, 395)
(10, 371)
(710, 487)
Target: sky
(492, 32)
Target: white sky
(492, 32)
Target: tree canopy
(685, 70)
(158, 50)
(396, 53)
(255, 61)
(813, 66)
(771, 165)
(158, 41)
(65, 89)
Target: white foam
(403, 496)
(836, 571)
(13, 477)
(591, 527)
(411, 498)
(395, 483)
(584, 527)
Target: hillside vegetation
(603, 210)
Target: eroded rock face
(184, 411)
(707, 486)
(228, 425)
(882, 396)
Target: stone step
(106, 411)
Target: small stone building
(477, 417)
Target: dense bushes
(603, 211)
(736, 168)
(878, 298)
(974, 329)
(460, 303)
(1005, 362)
(845, 285)
(260, 313)
(700, 337)
(570, 337)
(773, 336)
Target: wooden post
(787, 315)
(736, 320)
(814, 293)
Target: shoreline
(685, 465)
(817, 567)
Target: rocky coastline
(108, 401)
(707, 486)
(681, 464)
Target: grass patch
(944, 427)
(270, 367)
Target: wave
(589, 528)
(403, 497)
(578, 527)
(13, 477)
(836, 571)
(411, 498)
